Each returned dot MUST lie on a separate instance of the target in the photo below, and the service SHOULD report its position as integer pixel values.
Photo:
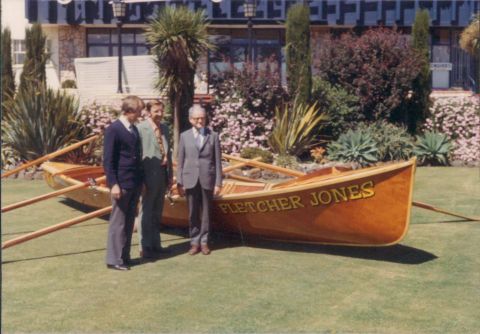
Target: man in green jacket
(158, 175)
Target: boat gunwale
(334, 179)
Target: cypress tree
(35, 58)
(8, 81)
(422, 85)
(298, 56)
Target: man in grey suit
(157, 168)
(199, 176)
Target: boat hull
(369, 207)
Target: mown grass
(430, 283)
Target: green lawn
(430, 283)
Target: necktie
(132, 130)
(158, 134)
(199, 140)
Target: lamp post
(250, 11)
(119, 9)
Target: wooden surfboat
(366, 207)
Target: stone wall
(72, 44)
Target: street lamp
(250, 11)
(119, 11)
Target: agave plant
(393, 142)
(433, 148)
(40, 121)
(354, 146)
(296, 129)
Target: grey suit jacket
(204, 164)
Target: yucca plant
(296, 129)
(41, 121)
(354, 146)
(178, 37)
(433, 148)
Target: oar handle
(50, 195)
(49, 156)
(263, 165)
(50, 229)
(432, 208)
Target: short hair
(195, 108)
(131, 104)
(152, 103)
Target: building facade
(86, 29)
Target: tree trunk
(177, 114)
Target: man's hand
(217, 190)
(180, 190)
(116, 192)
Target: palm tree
(178, 38)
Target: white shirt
(126, 123)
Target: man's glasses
(196, 119)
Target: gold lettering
(354, 192)
(272, 205)
(327, 199)
(240, 207)
(296, 202)
(284, 203)
(261, 206)
(340, 192)
(313, 199)
(367, 189)
(251, 206)
(232, 208)
(224, 207)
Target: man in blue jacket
(122, 165)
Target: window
(232, 50)
(103, 42)
(18, 51)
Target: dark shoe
(121, 267)
(194, 250)
(205, 250)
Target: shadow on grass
(396, 254)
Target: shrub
(287, 161)
(33, 72)
(378, 67)
(433, 149)
(254, 152)
(41, 121)
(459, 119)
(354, 146)
(260, 91)
(340, 106)
(298, 58)
(238, 127)
(95, 118)
(393, 142)
(69, 84)
(416, 108)
(296, 129)
(8, 81)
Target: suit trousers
(152, 206)
(120, 227)
(199, 213)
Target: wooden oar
(49, 156)
(432, 208)
(263, 165)
(300, 174)
(51, 195)
(50, 229)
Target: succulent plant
(354, 146)
(433, 148)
